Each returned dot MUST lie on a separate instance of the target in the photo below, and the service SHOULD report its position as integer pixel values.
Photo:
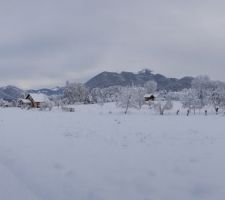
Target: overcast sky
(43, 43)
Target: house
(149, 98)
(37, 99)
(34, 100)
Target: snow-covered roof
(24, 100)
(39, 97)
(148, 95)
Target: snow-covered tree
(191, 100)
(47, 106)
(175, 96)
(56, 100)
(202, 86)
(75, 92)
(127, 98)
(2, 103)
(217, 96)
(162, 105)
(163, 102)
(97, 96)
(139, 93)
(110, 94)
(150, 86)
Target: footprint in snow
(68, 134)
(58, 166)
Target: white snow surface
(98, 153)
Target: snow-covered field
(98, 153)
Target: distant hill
(106, 79)
(10, 92)
(49, 92)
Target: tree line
(203, 92)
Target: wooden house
(37, 99)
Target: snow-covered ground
(98, 153)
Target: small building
(5, 104)
(149, 98)
(37, 99)
(24, 103)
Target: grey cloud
(48, 42)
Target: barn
(37, 99)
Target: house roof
(24, 100)
(39, 97)
(148, 95)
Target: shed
(149, 97)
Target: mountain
(107, 79)
(10, 92)
(49, 92)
